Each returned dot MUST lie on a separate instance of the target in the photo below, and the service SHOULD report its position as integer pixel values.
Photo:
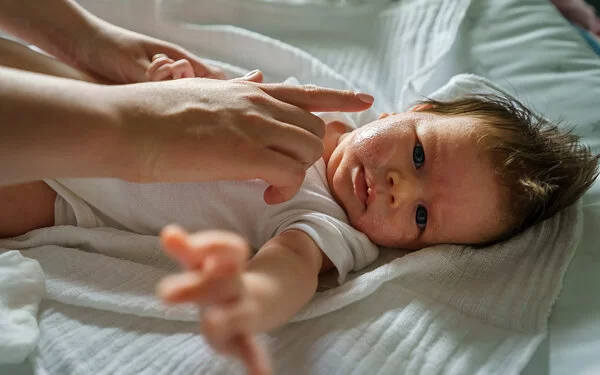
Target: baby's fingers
(218, 253)
(253, 354)
(196, 287)
(159, 69)
(247, 349)
(163, 73)
(182, 69)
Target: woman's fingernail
(251, 73)
(365, 98)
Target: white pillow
(528, 48)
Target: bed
(525, 44)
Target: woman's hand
(194, 130)
(188, 130)
(73, 35)
(116, 55)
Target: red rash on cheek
(383, 230)
(374, 147)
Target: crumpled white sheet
(21, 290)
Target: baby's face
(417, 179)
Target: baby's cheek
(381, 231)
(375, 150)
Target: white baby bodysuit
(229, 205)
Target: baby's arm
(240, 300)
(283, 277)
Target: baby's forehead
(449, 130)
(446, 128)
(462, 180)
(472, 202)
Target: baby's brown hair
(544, 167)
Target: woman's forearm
(53, 127)
(53, 25)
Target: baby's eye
(421, 217)
(418, 155)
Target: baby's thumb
(255, 76)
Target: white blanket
(445, 309)
(21, 290)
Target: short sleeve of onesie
(347, 248)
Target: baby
(472, 171)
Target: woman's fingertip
(251, 73)
(365, 98)
(255, 76)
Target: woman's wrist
(68, 39)
(103, 140)
(59, 27)
(55, 127)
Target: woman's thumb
(255, 76)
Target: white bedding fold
(21, 290)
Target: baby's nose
(399, 189)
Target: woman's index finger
(319, 99)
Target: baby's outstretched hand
(164, 68)
(214, 262)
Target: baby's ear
(422, 107)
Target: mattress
(530, 48)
